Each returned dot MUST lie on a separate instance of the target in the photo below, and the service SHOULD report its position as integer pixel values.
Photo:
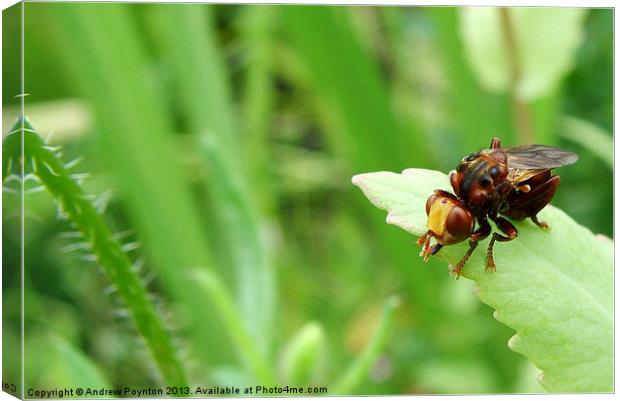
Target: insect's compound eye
(494, 171)
(485, 181)
(429, 203)
(455, 179)
(459, 222)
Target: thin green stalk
(347, 77)
(358, 370)
(51, 172)
(225, 306)
(590, 137)
(521, 109)
(257, 28)
(207, 105)
(474, 113)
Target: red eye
(429, 203)
(455, 181)
(460, 222)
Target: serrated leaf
(546, 40)
(555, 288)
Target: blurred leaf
(472, 114)
(526, 379)
(11, 355)
(71, 366)
(344, 75)
(303, 359)
(589, 136)
(454, 377)
(302, 170)
(546, 39)
(554, 288)
(357, 118)
(106, 56)
(228, 375)
(589, 89)
(357, 372)
(257, 25)
(234, 324)
(204, 89)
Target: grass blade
(235, 326)
(108, 63)
(589, 136)
(208, 108)
(358, 370)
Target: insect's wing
(517, 176)
(538, 157)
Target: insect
(514, 182)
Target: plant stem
(258, 35)
(203, 87)
(51, 172)
(229, 314)
(520, 108)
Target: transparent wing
(517, 176)
(537, 157)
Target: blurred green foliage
(228, 135)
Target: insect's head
(449, 219)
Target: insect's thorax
(480, 181)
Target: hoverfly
(514, 182)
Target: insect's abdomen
(521, 205)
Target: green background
(225, 137)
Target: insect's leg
(495, 143)
(480, 233)
(540, 224)
(425, 240)
(511, 233)
(540, 197)
(456, 270)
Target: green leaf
(203, 87)
(555, 288)
(303, 359)
(233, 323)
(589, 136)
(546, 41)
(357, 372)
(455, 377)
(72, 367)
